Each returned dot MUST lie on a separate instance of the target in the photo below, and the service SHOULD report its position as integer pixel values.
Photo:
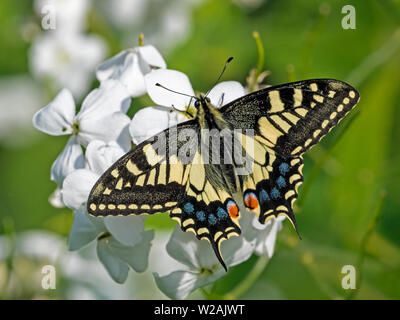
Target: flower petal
(160, 262)
(132, 75)
(57, 117)
(237, 250)
(77, 186)
(184, 247)
(101, 155)
(83, 230)
(126, 229)
(187, 249)
(114, 254)
(70, 159)
(114, 127)
(110, 97)
(55, 199)
(149, 121)
(106, 69)
(225, 92)
(152, 56)
(178, 284)
(266, 238)
(117, 269)
(130, 66)
(173, 80)
(138, 255)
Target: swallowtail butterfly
(285, 120)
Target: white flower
(66, 59)
(130, 66)
(167, 26)
(82, 275)
(102, 115)
(123, 14)
(70, 15)
(70, 159)
(99, 157)
(202, 265)
(266, 235)
(122, 241)
(151, 120)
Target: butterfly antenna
(183, 94)
(220, 75)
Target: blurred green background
(349, 206)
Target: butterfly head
(201, 100)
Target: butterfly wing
(147, 180)
(272, 188)
(208, 211)
(287, 120)
(292, 117)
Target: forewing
(292, 117)
(147, 180)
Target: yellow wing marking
(298, 97)
(151, 155)
(132, 168)
(276, 103)
(268, 130)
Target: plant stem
(248, 281)
(260, 49)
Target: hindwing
(208, 211)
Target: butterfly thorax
(208, 116)
(216, 153)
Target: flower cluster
(101, 132)
(65, 55)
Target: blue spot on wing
(284, 168)
(201, 216)
(275, 194)
(212, 219)
(264, 196)
(281, 182)
(221, 213)
(188, 207)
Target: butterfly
(273, 127)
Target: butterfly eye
(197, 104)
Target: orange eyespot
(251, 201)
(233, 209)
